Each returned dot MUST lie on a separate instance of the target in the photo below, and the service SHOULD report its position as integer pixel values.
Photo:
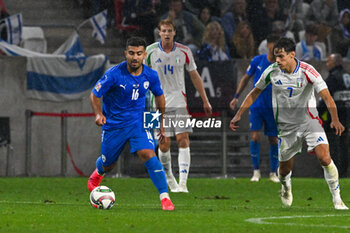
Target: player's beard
(134, 68)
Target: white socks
(165, 159)
(164, 195)
(184, 165)
(332, 178)
(286, 181)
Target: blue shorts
(113, 142)
(259, 116)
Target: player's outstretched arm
(242, 84)
(160, 104)
(198, 84)
(95, 102)
(332, 108)
(249, 100)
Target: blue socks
(157, 174)
(99, 166)
(255, 154)
(273, 158)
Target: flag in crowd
(14, 28)
(61, 76)
(99, 25)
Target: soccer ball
(102, 197)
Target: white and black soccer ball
(102, 197)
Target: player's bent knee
(322, 153)
(255, 136)
(183, 140)
(164, 147)
(146, 154)
(184, 143)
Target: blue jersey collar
(161, 48)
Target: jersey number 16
(135, 94)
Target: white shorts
(175, 122)
(291, 141)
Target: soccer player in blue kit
(124, 89)
(261, 112)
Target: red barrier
(48, 114)
(64, 115)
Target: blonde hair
(220, 42)
(245, 47)
(168, 22)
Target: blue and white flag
(14, 28)
(99, 25)
(73, 50)
(53, 77)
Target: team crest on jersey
(177, 59)
(146, 84)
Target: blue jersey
(124, 95)
(257, 66)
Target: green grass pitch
(213, 205)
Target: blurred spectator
(93, 7)
(194, 6)
(235, 12)
(324, 11)
(343, 4)
(3, 14)
(338, 83)
(243, 44)
(141, 13)
(261, 20)
(278, 28)
(340, 35)
(309, 48)
(161, 6)
(238, 8)
(205, 16)
(214, 47)
(285, 6)
(296, 15)
(189, 29)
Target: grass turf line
(213, 205)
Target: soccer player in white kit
(293, 84)
(170, 59)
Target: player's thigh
(290, 144)
(255, 119)
(182, 122)
(169, 119)
(141, 139)
(112, 145)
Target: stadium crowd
(319, 27)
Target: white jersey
(171, 71)
(293, 98)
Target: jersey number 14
(168, 68)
